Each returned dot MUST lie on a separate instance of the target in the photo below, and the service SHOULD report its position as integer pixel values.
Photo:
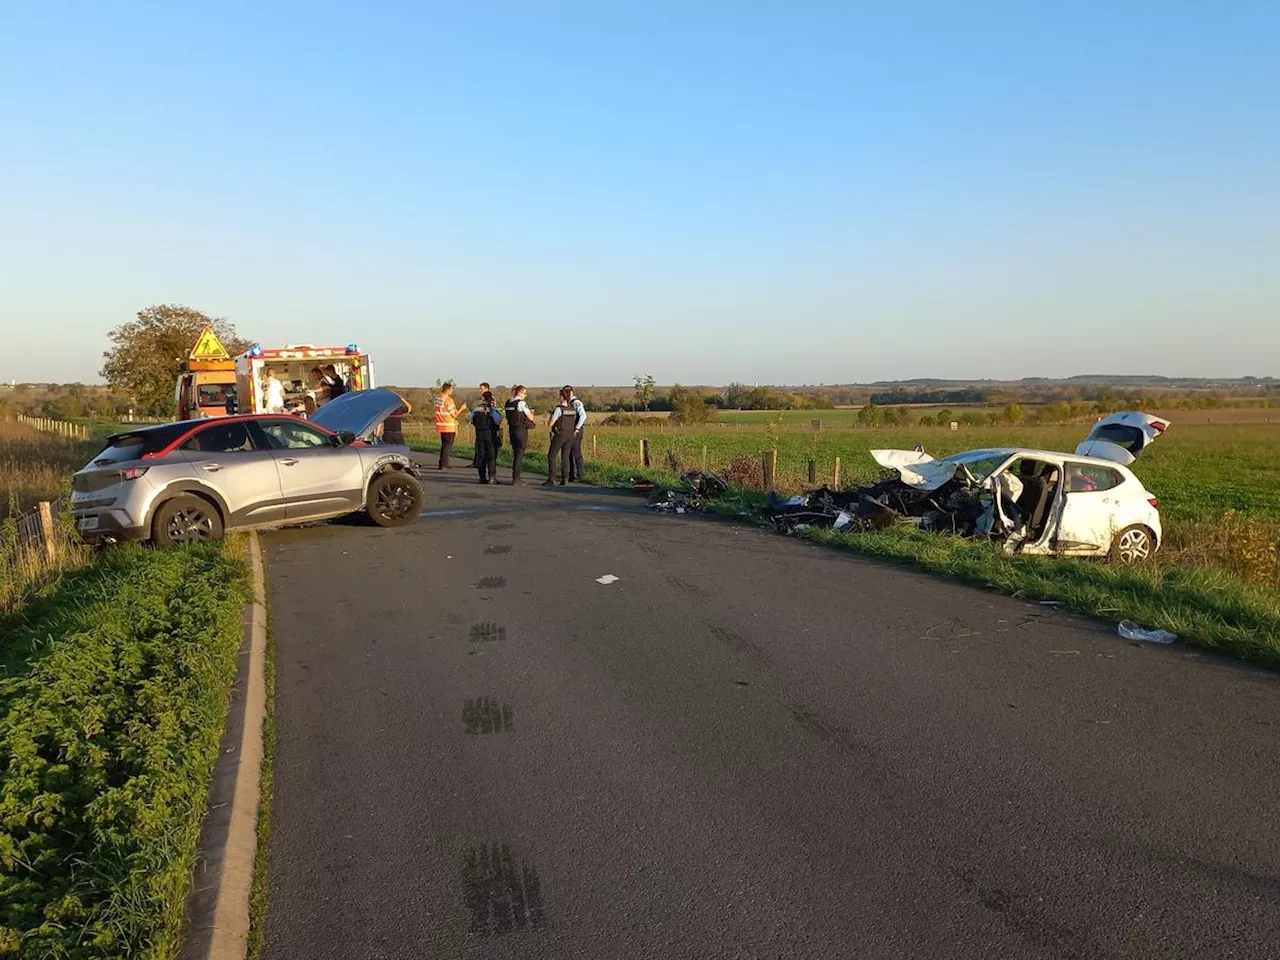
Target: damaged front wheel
(1132, 545)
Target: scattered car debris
(698, 488)
(607, 579)
(1131, 631)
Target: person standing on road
(272, 392)
(487, 419)
(577, 469)
(519, 420)
(484, 388)
(563, 422)
(447, 413)
(391, 430)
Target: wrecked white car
(1032, 501)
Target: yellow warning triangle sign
(208, 347)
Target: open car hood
(916, 469)
(358, 412)
(1122, 437)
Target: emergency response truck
(206, 384)
(294, 367)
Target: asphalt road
(746, 746)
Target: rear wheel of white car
(1133, 545)
(186, 519)
(394, 499)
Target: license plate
(87, 523)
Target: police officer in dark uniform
(564, 427)
(519, 420)
(488, 423)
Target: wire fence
(34, 545)
(63, 428)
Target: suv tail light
(133, 473)
(1154, 501)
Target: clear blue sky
(779, 192)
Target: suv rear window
(138, 443)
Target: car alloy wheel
(1134, 545)
(190, 525)
(395, 499)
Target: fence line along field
(35, 466)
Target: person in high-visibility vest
(447, 413)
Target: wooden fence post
(768, 464)
(835, 481)
(47, 533)
(593, 447)
(773, 463)
(813, 472)
(704, 458)
(644, 452)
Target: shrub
(112, 703)
(746, 472)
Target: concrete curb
(218, 904)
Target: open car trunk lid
(1122, 437)
(358, 412)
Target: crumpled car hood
(915, 468)
(358, 412)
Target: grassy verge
(113, 698)
(258, 896)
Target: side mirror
(343, 438)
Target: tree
(148, 351)
(644, 391)
(688, 405)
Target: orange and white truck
(294, 367)
(206, 380)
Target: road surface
(746, 746)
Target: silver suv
(191, 481)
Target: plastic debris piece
(607, 579)
(1131, 631)
(843, 519)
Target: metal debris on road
(607, 579)
(698, 488)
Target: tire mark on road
(737, 642)
(484, 715)
(827, 730)
(1029, 922)
(497, 548)
(488, 632)
(501, 896)
(491, 583)
(691, 589)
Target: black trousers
(519, 444)
(446, 445)
(486, 455)
(562, 447)
(577, 469)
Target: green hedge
(113, 698)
